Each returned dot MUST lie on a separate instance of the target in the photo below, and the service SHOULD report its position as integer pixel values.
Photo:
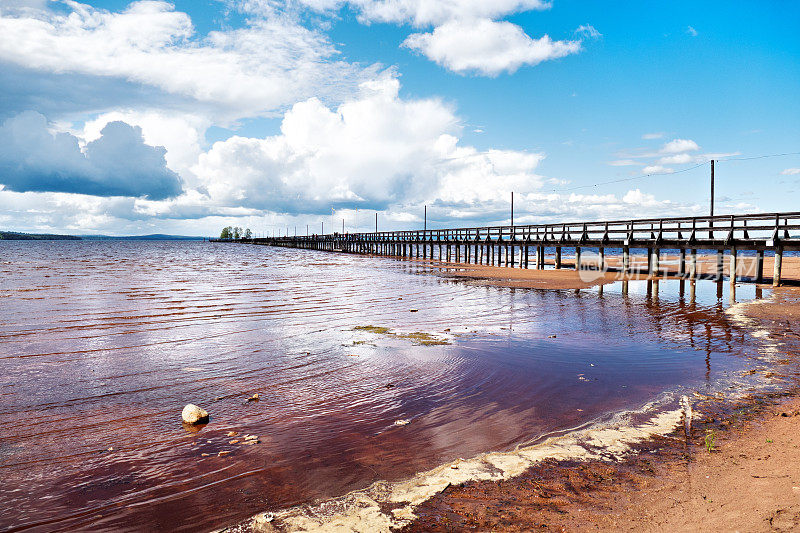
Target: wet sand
(569, 278)
(736, 469)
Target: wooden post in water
(732, 266)
(626, 259)
(558, 257)
(602, 261)
(577, 258)
(760, 266)
(776, 271)
(654, 261)
(720, 264)
(682, 263)
(693, 264)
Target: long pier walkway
(524, 246)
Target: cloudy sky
(122, 117)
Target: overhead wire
(671, 173)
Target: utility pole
(712, 187)
(425, 223)
(512, 209)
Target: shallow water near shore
(365, 370)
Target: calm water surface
(103, 343)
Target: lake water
(103, 343)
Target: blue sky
(127, 118)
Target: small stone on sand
(262, 523)
(194, 415)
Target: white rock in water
(194, 415)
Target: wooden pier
(524, 246)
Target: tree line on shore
(17, 236)
(236, 233)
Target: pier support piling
(776, 271)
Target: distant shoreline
(19, 236)
(16, 236)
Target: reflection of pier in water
(681, 312)
(684, 317)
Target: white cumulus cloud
(117, 163)
(486, 47)
(467, 36)
(656, 169)
(424, 12)
(256, 69)
(374, 151)
(677, 146)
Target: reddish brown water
(103, 343)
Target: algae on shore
(418, 337)
(374, 329)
